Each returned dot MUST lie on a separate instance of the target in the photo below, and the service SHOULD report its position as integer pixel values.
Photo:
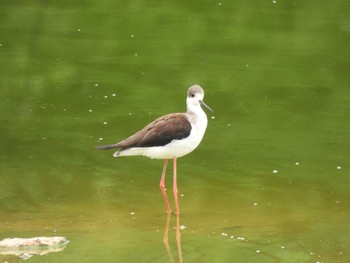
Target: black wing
(159, 132)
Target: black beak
(205, 105)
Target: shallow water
(270, 180)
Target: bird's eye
(192, 95)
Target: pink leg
(175, 190)
(162, 185)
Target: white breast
(176, 148)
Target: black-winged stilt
(169, 137)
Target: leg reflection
(166, 238)
(178, 238)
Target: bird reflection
(178, 238)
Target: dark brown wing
(159, 132)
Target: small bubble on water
(104, 122)
(224, 234)
(338, 167)
(182, 227)
(297, 163)
(275, 171)
(114, 95)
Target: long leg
(162, 186)
(175, 190)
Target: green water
(270, 180)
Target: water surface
(268, 183)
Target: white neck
(196, 115)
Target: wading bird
(169, 137)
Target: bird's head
(195, 96)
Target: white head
(195, 96)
